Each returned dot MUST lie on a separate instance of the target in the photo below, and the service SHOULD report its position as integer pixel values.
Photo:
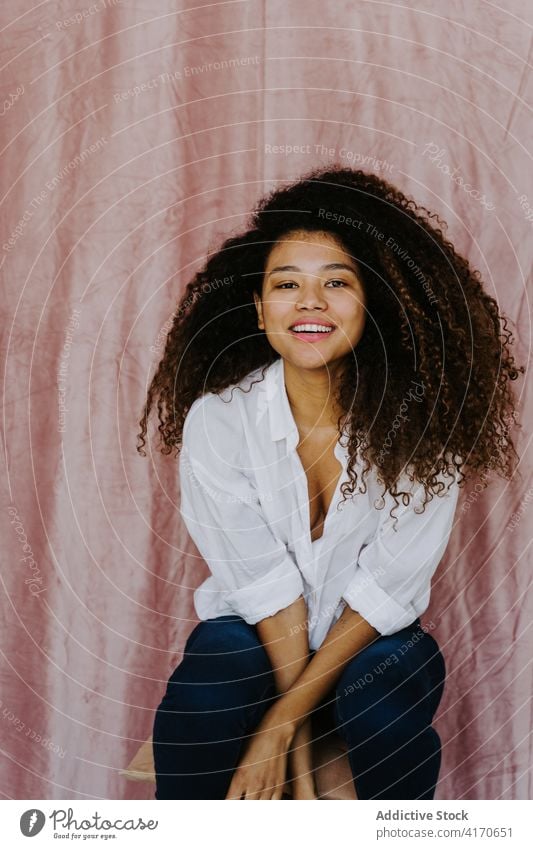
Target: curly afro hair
(430, 325)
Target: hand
(261, 771)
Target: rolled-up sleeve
(222, 512)
(395, 568)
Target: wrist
(277, 719)
(287, 711)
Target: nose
(311, 296)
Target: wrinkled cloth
(114, 188)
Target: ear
(259, 308)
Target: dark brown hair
(435, 350)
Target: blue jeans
(382, 706)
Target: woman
(339, 346)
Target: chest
(322, 469)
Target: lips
(318, 326)
(311, 331)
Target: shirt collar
(280, 417)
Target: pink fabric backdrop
(121, 167)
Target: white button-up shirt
(245, 503)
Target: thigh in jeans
(409, 659)
(214, 698)
(224, 652)
(436, 672)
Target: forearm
(285, 639)
(350, 634)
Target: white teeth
(312, 328)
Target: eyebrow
(331, 265)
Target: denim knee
(229, 642)
(224, 666)
(387, 692)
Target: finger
(256, 792)
(253, 793)
(273, 789)
(234, 791)
(276, 788)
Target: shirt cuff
(366, 597)
(273, 592)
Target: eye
(292, 283)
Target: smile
(311, 332)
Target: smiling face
(310, 282)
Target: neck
(311, 394)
